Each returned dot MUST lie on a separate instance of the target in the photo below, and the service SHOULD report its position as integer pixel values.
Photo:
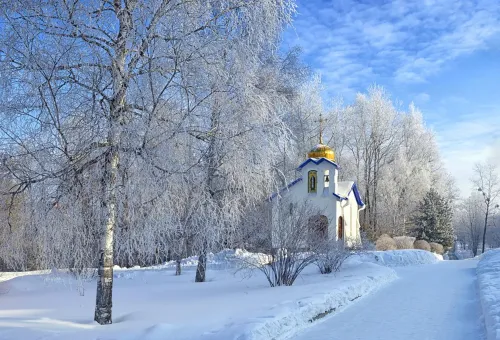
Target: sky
(443, 55)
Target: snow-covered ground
(400, 258)
(434, 302)
(488, 275)
(152, 303)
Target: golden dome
(322, 151)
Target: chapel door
(340, 228)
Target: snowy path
(429, 302)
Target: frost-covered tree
(391, 154)
(469, 222)
(487, 181)
(97, 91)
(433, 220)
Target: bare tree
(470, 221)
(487, 182)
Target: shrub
(330, 255)
(437, 248)
(385, 242)
(422, 244)
(404, 242)
(288, 245)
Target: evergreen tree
(433, 220)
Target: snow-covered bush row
(230, 258)
(225, 259)
(437, 248)
(422, 244)
(404, 242)
(385, 242)
(488, 277)
(397, 258)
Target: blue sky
(444, 55)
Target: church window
(326, 179)
(313, 181)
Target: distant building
(318, 185)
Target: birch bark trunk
(104, 295)
(117, 117)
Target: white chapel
(339, 202)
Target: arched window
(312, 177)
(340, 228)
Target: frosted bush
(437, 248)
(422, 244)
(404, 242)
(330, 255)
(385, 242)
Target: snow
(488, 275)
(288, 317)
(398, 258)
(437, 301)
(463, 254)
(152, 303)
(344, 188)
(225, 259)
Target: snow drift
(399, 258)
(488, 278)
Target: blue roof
(357, 195)
(285, 188)
(316, 161)
(339, 197)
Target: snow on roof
(316, 161)
(345, 188)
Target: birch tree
(88, 81)
(234, 135)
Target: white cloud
(422, 98)
(407, 40)
(355, 43)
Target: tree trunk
(116, 120)
(485, 225)
(213, 164)
(201, 268)
(178, 267)
(105, 272)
